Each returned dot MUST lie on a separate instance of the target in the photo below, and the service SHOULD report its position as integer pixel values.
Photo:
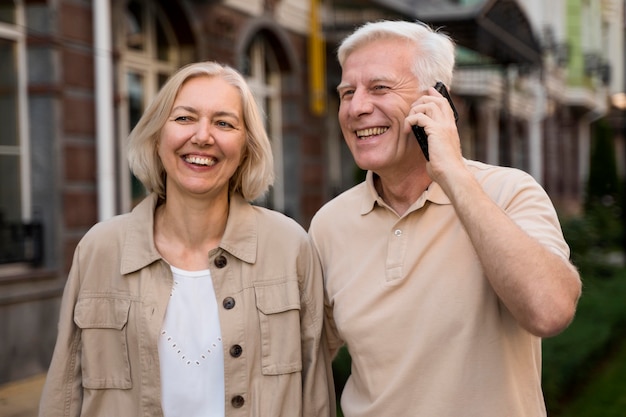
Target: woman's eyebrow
(186, 108)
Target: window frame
(149, 67)
(265, 81)
(16, 33)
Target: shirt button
(397, 232)
(228, 303)
(220, 261)
(237, 401)
(235, 351)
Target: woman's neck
(186, 230)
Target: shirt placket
(232, 317)
(396, 249)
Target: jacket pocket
(278, 303)
(104, 347)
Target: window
(263, 75)
(10, 146)
(149, 55)
(15, 187)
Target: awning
(498, 29)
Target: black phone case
(420, 133)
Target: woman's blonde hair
(255, 173)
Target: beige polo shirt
(426, 332)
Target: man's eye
(380, 87)
(346, 94)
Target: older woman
(196, 303)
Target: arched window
(263, 74)
(149, 54)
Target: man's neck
(401, 192)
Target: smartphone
(420, 133)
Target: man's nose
(361, 103)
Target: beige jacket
(269, 289)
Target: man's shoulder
(506, 184)
(495, 175)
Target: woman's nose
(203, 134)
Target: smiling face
(203, 140)
(376, 92)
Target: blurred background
(539, 86)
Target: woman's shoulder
(109, 230)
(118, 226)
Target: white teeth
(197, 160)
(371, 131)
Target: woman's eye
(222, 123)
(182, 119)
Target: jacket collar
(241, 235)
(139, 251)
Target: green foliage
(570, 358)
(603, 185)
(600, 231)
(597, 241)
(342, 366)
(594, 237)
(606, 395)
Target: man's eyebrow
(342, 86)
(370, 81)
(381, 79)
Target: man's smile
(371, 131)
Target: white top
(190, 349)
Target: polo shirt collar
(139, 250)
(434, 193)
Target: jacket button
(237, 401)
(228, 303)
(235, 351)
(220, 261)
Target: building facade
(76, 75)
